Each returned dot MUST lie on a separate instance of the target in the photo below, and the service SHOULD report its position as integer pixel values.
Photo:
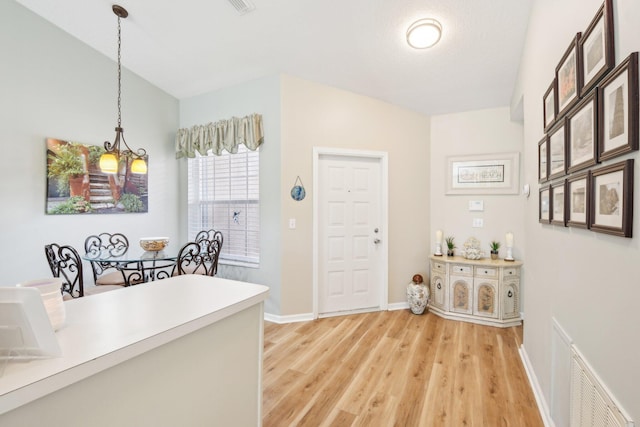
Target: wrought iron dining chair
(199, 257)
(116, 244)
(211, 236)
(65, 263)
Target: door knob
(376, 241)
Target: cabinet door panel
(438, 291)
(461, 295)
(511, 299)
(485, 298)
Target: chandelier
(109, 161)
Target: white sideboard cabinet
(481, 291)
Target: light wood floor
(394, 368)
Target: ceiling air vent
(242, 6)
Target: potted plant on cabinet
(450, 246)
(495, 247)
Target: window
(224, 195)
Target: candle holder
(438, 251)
(509, 256)
(509, 245)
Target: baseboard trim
(288, 319)
(543, 408)
(398, 306)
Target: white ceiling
(190, 47)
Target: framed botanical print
(597, 48)
(544, 204)
(618, 110)
(543, 160)
(568, 78)
(582, 134)
(612, 195)
(578, 200)
(557, 150)
(558, 198)
(549, 106)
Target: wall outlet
(292, 223)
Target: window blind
(224, 194)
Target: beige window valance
(212, 138)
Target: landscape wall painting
(75, 184)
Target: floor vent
(242, 6)
(591, 402)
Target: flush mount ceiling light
(424, 33)
(110, 160)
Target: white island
(180, 351)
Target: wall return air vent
(242, 6)
(591, 402)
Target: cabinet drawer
(438, 266)
(462, 269)
(486, 272)
(511, 272)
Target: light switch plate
(476, 205)
(478, 223)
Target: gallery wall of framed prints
(590, 119)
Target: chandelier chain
(119, 75)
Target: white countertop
(108, 328)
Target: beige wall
(314, 115)
(586, 281)
(464, 134)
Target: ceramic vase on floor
(417, 295)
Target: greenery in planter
(73, 205)
(66, 164)
(131, 203)
(450, 243)
(495, 247)
(95, 152)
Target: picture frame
(596, 47)
(582, 134)
(612, 199)
(483, 174)
(618, 110)
(568, 78)
(579, 200)
(549, 106)
(543, 160)
(558, 203)
(544, 205)
(557, 150)
(77, 186)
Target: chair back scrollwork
(65, 262)
(115, 244)
(209, 236)
(199, 257)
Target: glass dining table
(138, 266)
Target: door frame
(383, 157)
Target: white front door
(349, 233)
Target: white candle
(439, 236)
(509, 239)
